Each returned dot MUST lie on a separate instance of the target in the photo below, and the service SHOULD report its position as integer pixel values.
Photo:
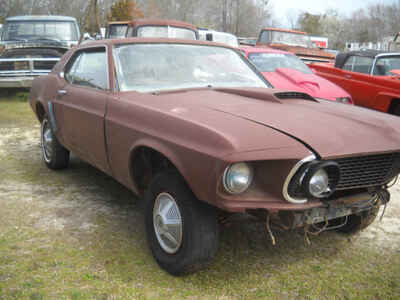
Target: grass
(78, 234)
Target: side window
(89, 68)
(349, 64)
(363, 64)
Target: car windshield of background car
(39, 30)
(167, 32)
(155, 67)
(292, 39)
(269, 62)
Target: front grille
(355, 173)
(7, 66)
(44, 65)
(366, 171)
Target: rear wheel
(54, 154)
(182, 231)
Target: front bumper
(16, 82)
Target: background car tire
(397, 110)
(199, 239)
(358, 222)
(54, 154)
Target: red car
(371, 77)
(286, 71)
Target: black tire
(199, 229)
(360, 221)
(54, 154)
(397, 110)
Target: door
(82, 102)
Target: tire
(360, 221)
(397, 110)
(54, 154)
(195, 233)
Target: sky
(284, 8)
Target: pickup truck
(30, 46)
(371, 77)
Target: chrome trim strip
(289, 178)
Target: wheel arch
(147, 158)
(40, 111)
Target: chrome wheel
(167, 222)
(47, 141)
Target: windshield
(269, 62)
(290, 38)
(117, 31)
(386, 66)
(167, 32)
(155, 67)
(38, 30)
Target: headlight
(320, 179)
(344, 100)
(237, 178)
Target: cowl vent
(294, 95)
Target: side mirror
(209, 37)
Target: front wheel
(360, 221)
(182, 231)
(54, 154)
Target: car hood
(329, 129)
(314, 85)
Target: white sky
(283, 8)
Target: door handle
(348, 76)
(61, 92)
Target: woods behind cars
(30, 46)
(194, 128)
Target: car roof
(285, 30)
(41, 18)
(140, 40)
(162, 22)
(250, 49)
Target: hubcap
(167, 223)
(47, 141)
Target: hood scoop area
(294, 95)
(259, 94)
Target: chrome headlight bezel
(302, 173)
(229, 181)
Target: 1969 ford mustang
(194, 128)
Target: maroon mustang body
(194, 128)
